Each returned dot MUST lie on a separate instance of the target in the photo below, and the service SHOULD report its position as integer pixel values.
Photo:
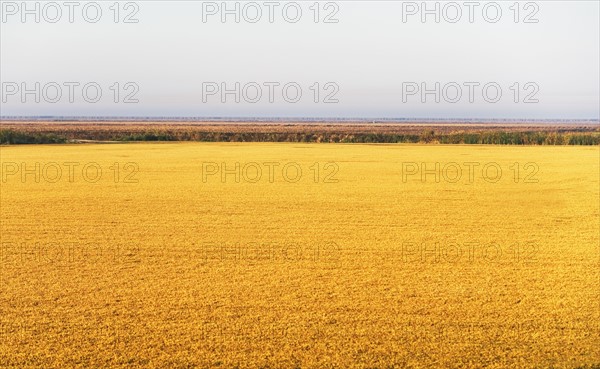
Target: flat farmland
(295, 255)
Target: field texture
(299, 256)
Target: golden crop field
(185, 255)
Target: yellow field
(367, 265)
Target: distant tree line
(14, 137)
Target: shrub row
(10, 137)
(489, 137)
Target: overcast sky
(346, 58)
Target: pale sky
(373, 62)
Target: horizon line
(282, 119)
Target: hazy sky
(355, 58)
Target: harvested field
(299, 256)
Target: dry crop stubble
(375, 268)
